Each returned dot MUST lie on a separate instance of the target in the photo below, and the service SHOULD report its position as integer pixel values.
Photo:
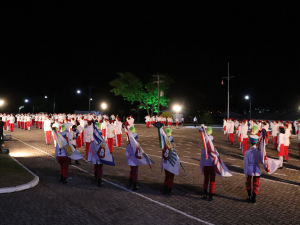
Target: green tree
(132, 89)
(207, 118)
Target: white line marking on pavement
(230, 158)
(187, 152)
(149, 199)
(280, 174)
(161, 204)
(235, 166)
(291, 169)
(185, 156)
(198, 153)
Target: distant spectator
(182, 121)
(195, 121)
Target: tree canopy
(132, 89)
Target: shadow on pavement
(266, 176)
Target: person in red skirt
(280, 148)
(224, 125)
(286, 142)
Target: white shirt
(47, 125)
(72, 136)
(109, 131)
(88, 134)
(118, 127)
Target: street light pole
(248, 98)
(250, 110)
(158, 81)
(90, 99)
(54, 104)
(228, 78)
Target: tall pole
(54, 104)
(228, 94)
(158, 81)
(158, 95)
(89, 99)
(250, 110)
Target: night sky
(59, 47)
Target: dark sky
(59, 47)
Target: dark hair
(74, 126)
(0, 118)
(282, 130)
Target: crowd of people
(79, 130)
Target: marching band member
(110, 135)
(286, 142)
(29, 121)
(63, 160)
(280, 147)
(11, 122)
(244, 136)
(274, 134)
(133, 176)
(88, 137)
(224, 125)
(47, 130)
(36, 120)
(72, 136)
(57, 126)
(298, 134)
(118, 128)
(83, 123)
(177, 122)
(147, 119)
(236, 125)
(251, 167)
(169, 176)
(207, 167)
(230, 126)
(103, 127)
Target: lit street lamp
(89, 97)
(103, 106)
(46, 97)
(26, 101)
(248, 98)
(1, 102)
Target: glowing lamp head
(46, 96)
(1, 102)
(103, 106)
(247, 97)
(26, 100)
(78, 91)
(177, 108)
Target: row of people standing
(166, 121)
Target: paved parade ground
(81, 201)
